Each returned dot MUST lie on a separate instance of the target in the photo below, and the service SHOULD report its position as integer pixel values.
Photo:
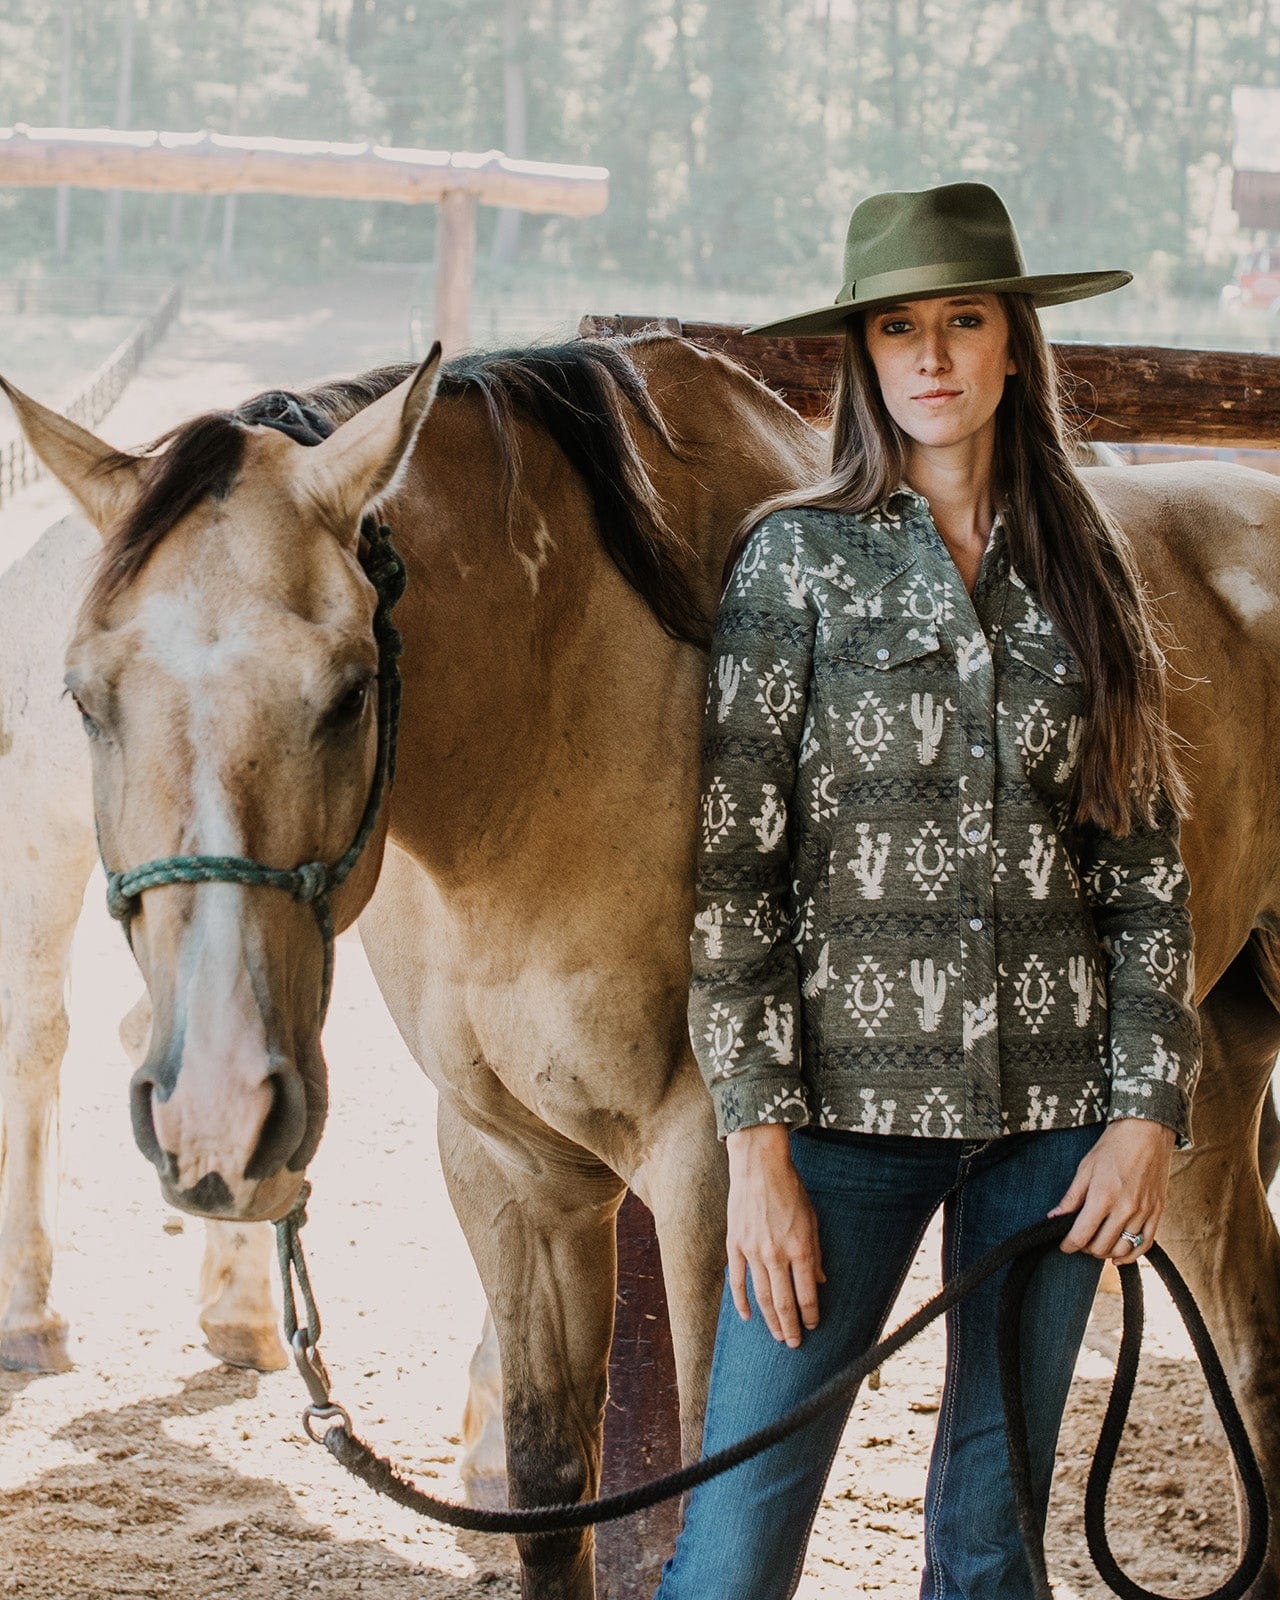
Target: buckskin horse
(46, 853)
(563, 514)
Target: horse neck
(543, 701)
(533, 675)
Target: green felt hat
(956, 237)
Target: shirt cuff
(1153, 1101)
(749, 1102)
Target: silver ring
(1135, 1239)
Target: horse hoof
(42, 1348)
(259, 1349)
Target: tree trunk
(124, 102)
(1190, 97)
(515, 118)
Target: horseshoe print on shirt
(897, 930)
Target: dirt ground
(153, 1470)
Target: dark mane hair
(582, 392)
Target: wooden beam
(1123, 394)
(455, 268)
(216, 163)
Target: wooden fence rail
(18, 463)
(1121, 394)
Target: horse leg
(538, 1213)
(38, 914)
(684, 1181)
(237, 1311)
(483, 1465)
(1218, 1227)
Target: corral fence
(18, 463)
(86, 296)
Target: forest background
(738, 134)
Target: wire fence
(18, 463)
(78, 296)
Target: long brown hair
(1068, 550)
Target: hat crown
(960, 229)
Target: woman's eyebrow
(959, 300)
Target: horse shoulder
(1207, 533)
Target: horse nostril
(283, 1126)
(209, 1196)
(144, 1127)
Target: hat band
(913, 281)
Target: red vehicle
(1256, 285)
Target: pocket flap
(876, 642)
(1046, 655)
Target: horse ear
(104, 481)
(363, 461)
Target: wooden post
(455, 268)
(642, 1420)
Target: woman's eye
(897, 325)
(969, 319)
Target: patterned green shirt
(897, 929)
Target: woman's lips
(936, 397)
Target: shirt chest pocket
(1043, 703)
(886, 685)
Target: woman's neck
(957, 482)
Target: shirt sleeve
(744, 1003)
(1137, 891)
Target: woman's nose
(933, 355)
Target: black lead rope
(1012, 1391)
(1021, 1253)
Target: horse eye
(347, 708)
(92, 728)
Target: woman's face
(942, 364)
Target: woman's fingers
(804, 1275)
(1107, 1241)
(738, 1282)
(785, 1311)
(1091, 1216)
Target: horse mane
(580, 392)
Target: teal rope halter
(313, 882)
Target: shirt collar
(913, 497)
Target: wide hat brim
(921, 283)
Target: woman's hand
(773, 1230)
(1120, 1186)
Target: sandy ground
(153, 1470)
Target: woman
(942, 953)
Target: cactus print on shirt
(897, 930)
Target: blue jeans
(745, 1533)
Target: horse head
(224, 663)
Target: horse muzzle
(224, 1147)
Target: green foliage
(737, 135)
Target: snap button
(883, 655)
(975, 923)
(980, 1014)
(1059, 667)
(976, 750)
(974, 836)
